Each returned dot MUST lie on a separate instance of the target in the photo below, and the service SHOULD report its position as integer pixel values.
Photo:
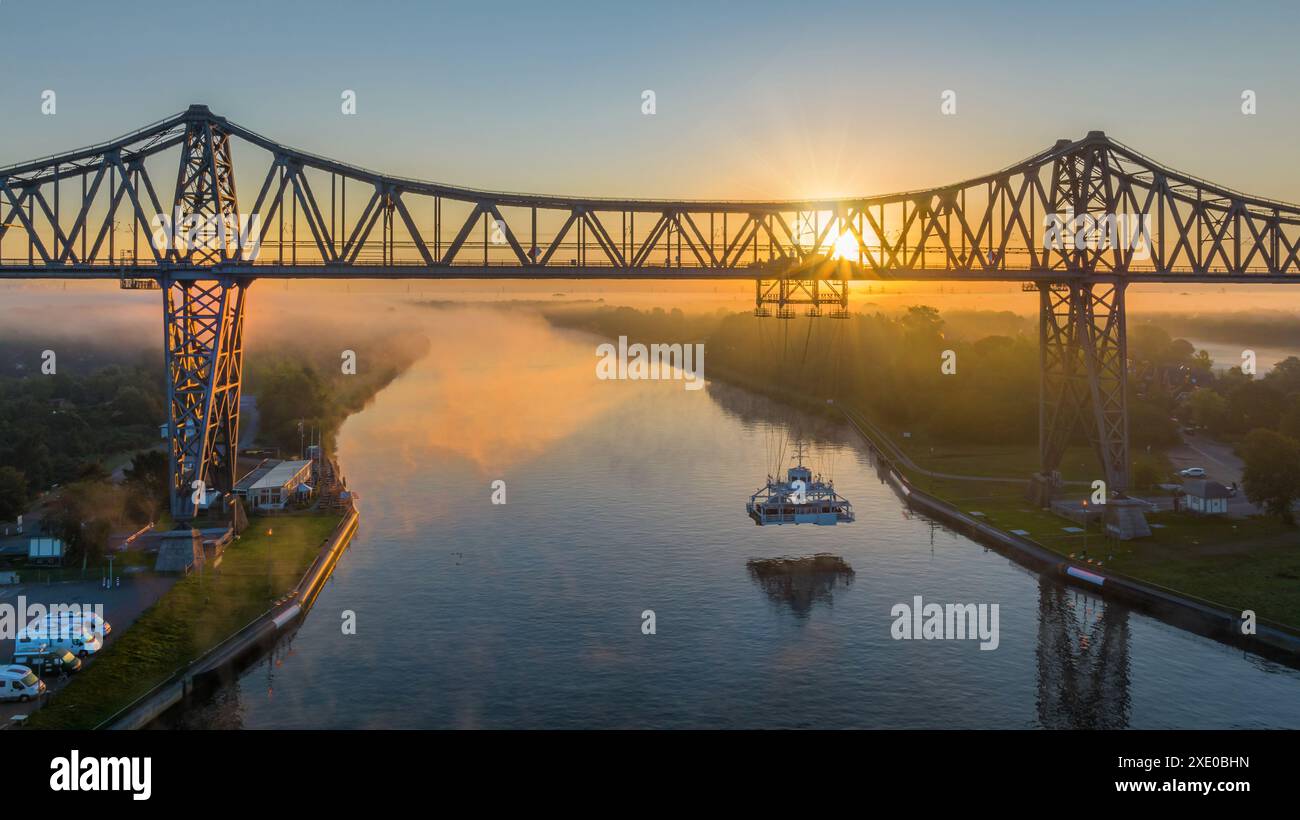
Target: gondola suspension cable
(837, 341)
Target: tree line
(893, 367)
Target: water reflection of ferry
(798, 583)
(801, 499)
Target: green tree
(84, 515)
(1149, 343)
(146, 479)
(923, 321)
(148, 471)
(1149, 425)
(82, 535)
(137, 406)
(1285, 376)
(1271, 477)
(1147, 472)
(1180, 351)
(286, 394)
(1290, 422)
(13, 493)
(1209, 410)
(1255, 404)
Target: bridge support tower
(1083, 355)
(1083, 343)
(204, 327)
(203, 323)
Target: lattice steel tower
(203, 319)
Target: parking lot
(122, 605)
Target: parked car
(1192, 472)
(47, 661)
(20, 683)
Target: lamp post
(1085, 527)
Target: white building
(273, 484)
(45, 551)
(1206, 497)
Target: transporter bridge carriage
(801, 499)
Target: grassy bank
(196, 614)
(1237, 564)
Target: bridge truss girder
(991, 227)
(321, 217)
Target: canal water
(623, 497)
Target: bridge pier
(1083, 379)
(203, 323)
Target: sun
(846, 246)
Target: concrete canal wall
(1180, 610)
(225, 659)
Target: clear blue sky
(753, 99)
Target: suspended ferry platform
(801, 499)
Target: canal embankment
(207, 624)
(224, 661)
(1202, 617)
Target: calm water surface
(628, 496)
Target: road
(122, 606)
(1221, 464)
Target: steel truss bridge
(1058, 221)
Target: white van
(88, 621)
(79, 641)
(20, 683)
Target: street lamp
(1085, 528)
